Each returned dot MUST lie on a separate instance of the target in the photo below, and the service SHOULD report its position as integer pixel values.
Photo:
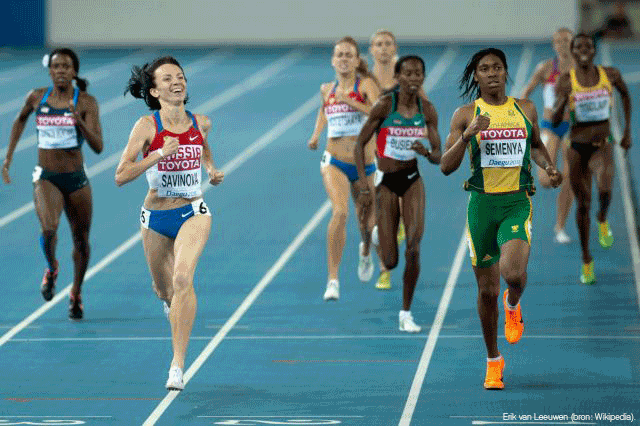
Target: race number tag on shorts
(326, 160)
(145, 216)
(37, 172)
(502, 147)
(377, 177)
(592, 106)
(200, 207)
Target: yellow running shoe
(604, 234)
(384, 281)
(513, 325)
(587, 276)
(401, 234)
(493, 379)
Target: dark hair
(80, 82)
(398, 66)
(467, 83)
(142, 80)
(362, 68)
(583, 35)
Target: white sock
(404, 314)
(509, 306)
(498, 358)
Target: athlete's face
(411, 76)
(383, 48)
(562, 43)
(345, 58)
(171, 86)
(583, 51)
(61, 70)
(491, 74)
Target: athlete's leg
(337, 185)
(158, 251)
(514, 257)
(388, 213)
(488, 291)
(580, 178)
(413, 215)
(187, 248)
(79, 209)
(565, 194)
(49, 203)
(366, 219)
(602, 166)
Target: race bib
(592, 106)
(399, 141)
(342, 120)
(502, 147)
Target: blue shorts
(347, 168)
(169, 222)
(560, 131)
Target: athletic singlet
(397, 133)
(590, 104)
(500, 156)
(549, 87)
(178, 175)
(57, 126)
(342, 119)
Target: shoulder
(428, 108)
(369, 83)
(326, 87)
(35, 95)
(204, 122)
(528, 108)
(87, 99)
(145, 123)
(544, 67)
(612, 73)
(463, 114)
(564, 80)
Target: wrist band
(159, 151)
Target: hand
(75, 113)
(216, 177)
(170, 146)
(5, 172)
(313, 143)
(420, 149)
(479, 123)
(555, 178)
(625, 142)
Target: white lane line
(438, 70)
(252, 150)
(625, 182)
(523, 69)
(244, 306)
(207, 107)
(434, 331)
(443, 306)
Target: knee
(162, 293)
(413, 250)
(390, 260)
(514, 277)
(81, 244)
(339, 215)
(182, 282)
(584, 204)
(489, 294)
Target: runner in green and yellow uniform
(588, 91)
(501, 135)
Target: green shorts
(492, 220)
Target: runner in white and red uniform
(174, 218)
(66, 116)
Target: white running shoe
(166, 308)
(365, 265)
(175, 381)
(407, 324)
(562, 237)
(333, 291)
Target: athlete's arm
(536, 79)
(215, 176)
(431, 116)
(616, 79)
(460, 133)
(378, 113)
(539, 153)
(88, 121)
(563, 89)
(141, 135)
(321, 119)
(17, 128)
